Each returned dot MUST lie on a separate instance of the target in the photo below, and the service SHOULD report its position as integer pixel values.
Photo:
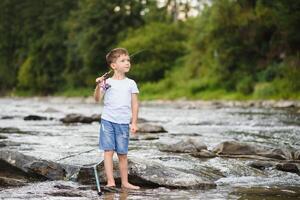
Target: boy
(120, 103)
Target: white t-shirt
(117, 100)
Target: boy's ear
(113, 65)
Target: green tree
(94, 29)
(42, 69)
(157, 45)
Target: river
(53, 140)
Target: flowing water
(55, 141)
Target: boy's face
(122, 64)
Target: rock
(96, 117)
(50, 110)
(5, 181)
(8, 144)
(149, 137)
(285, 104)
(281, 154)
(11, 176)
(167, 176)
(150, 128)
(51, 170)
(151, 174)
(7, 117)
(10, 130)
(188, 145)
(142, 120)
(261, 165)
(2, 137)
(288, 167)
(204, 154)
(78, 118)
(34, 117)
(297, 155)
(29, 164)
(236, 148)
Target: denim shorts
(114, 137)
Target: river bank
(204, 149)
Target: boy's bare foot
(130, 186)
(110, 185)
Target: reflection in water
(112, 195)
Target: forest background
(191, 49)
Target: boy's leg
(123, 164)
(107, 143)
(108, 165)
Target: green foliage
(157, 45)
(93, 30)
(234, 49)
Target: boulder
(288, 167)
(261, 165)
(233, 148)
(10, 130)
(3, 137)
(150, 128)
(203, 153)
(78, 118)
(188, 145)
(50, 110)
(32, 165)
(9, 182)
(34, 117)
(297, 155)
(151, 174)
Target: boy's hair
(114, 54)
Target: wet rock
(167, 176)
(204, 154)
(64, 194)
(50, 110)
(142, 120)
(150, 174)
(10, 130)
(34, 118)
(297, 155)
(261, 165)
(150, 128)
(233, 148)
(144, 137)
(78, 118)
(5, 182)
(96, 117)
(11, 176)
(47, 190)
(51, 170)
(29, 164)
(2, 137)
(149, 137)
(7, 117)
(270, 192)
(8, 143)
(288, 167)
(188, 145)
(285, 104)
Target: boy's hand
(133, 128)
(100, 79)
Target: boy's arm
(97, 93)
(135, 110)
